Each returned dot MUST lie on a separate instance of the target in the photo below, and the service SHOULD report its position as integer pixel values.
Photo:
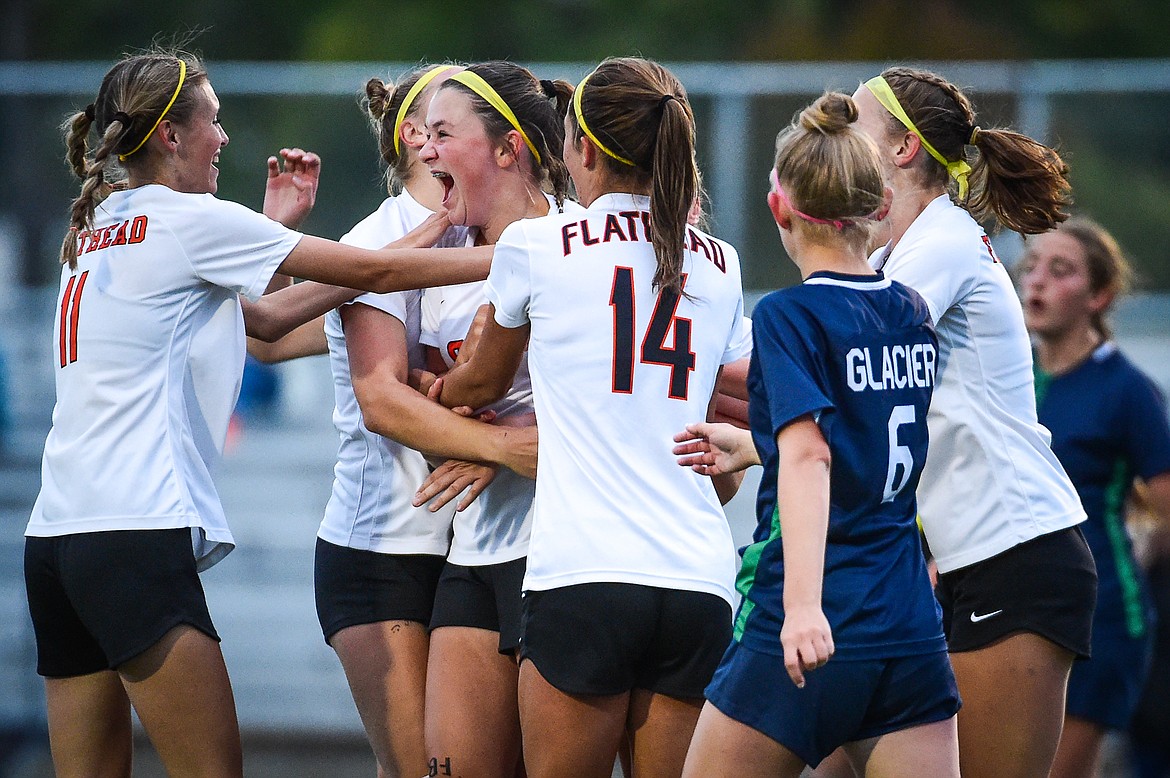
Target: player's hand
(715, 448)
(291, 189)
(807, 641)
(452, 478)
(426, 234)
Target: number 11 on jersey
(70, 311)
(679, 357)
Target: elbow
(260, 325)
(377, 417)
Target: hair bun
(833, 112)
(378, 96)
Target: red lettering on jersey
(94, 238)
(990, 250)
(698, 243)
(720, 259)
(566, 235)
(586, 238)
(613, 228)
(120, 239)
(453, 349)
(632, 225)
(138, 230)
(107, 237)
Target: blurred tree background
(1116, 145)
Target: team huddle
(524, 566)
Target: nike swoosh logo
(976, 618)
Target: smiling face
(461, 156)
(1055, 286)
(199, 142)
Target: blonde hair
(830, 170)
(640, 112)
(133, 96)
(1017, 180)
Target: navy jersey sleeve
(787, 350)
(1147, 437)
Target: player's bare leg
(386, 666)
(660, 730)
(179, 687)
(928, 749)
(569, 735)
(835, 765)
(472, 722)
(725, 748)
(1080, 749)
(89, 726)
(1013, 706)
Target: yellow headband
(482, 88)
(414, 91)
(958, 170)
(174, 97)
(585, 128)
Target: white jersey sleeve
(509, 284)
(739, 344)
(226, 256)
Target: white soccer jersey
(991, 480)
(149, 353)
(617, 370)
(496, 527)
(375, 477)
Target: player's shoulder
(381, 226)
(1115, 366)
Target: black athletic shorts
(609, 638)
(484, 596)
(365, 587)
(1046, 585)
(99, 599)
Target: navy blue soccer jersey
(858, 354)
(1109, 425)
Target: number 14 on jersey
(654, 351)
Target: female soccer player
(149, 348)
(494, 144)
(1017, 583)
(378, 557)
(838, 640)
(1109, 427)
(631, 313)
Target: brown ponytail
(1017, 180)
(131, 100)
(639, 111)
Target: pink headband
(840, 225)
(877, 215)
